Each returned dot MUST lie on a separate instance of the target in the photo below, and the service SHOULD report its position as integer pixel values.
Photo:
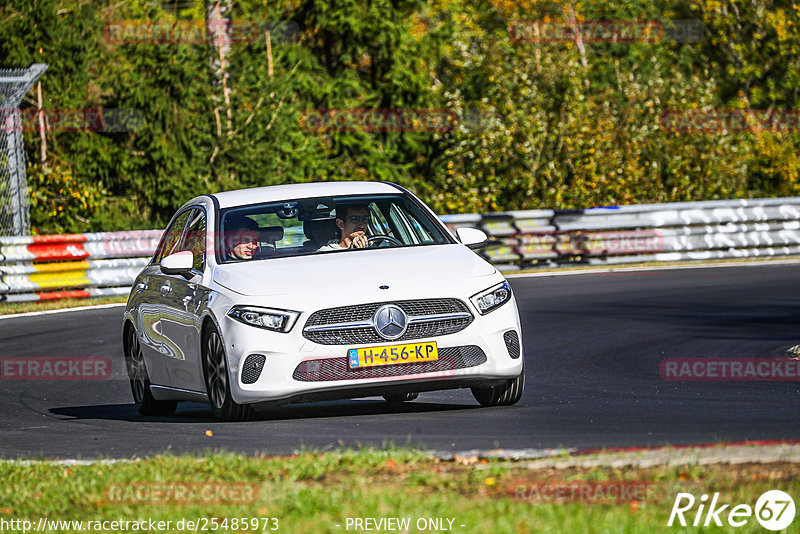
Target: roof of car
(275, 193)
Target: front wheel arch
(214, 358)
(505, 394)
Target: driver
(352, 222)
(241, 239)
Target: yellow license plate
(392, 355)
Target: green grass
(8, 308)
(313, 493)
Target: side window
(423, 234)
(407, 220)
(195, 238)
(172, 237)
(398, 219)
(378, 223)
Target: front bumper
(297, 369)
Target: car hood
(418, 267)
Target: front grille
(251, 370)
(364, 312)
(512, 343)
(330, 369)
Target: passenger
(353, 223)
(241, 239)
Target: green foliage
(537, 124)
(60, 201)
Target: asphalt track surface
(592, 342)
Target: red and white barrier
(74, 265)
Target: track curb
(744, 452)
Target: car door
(151, 309)
(181, 298)
(148, 327)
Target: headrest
(271, 234)
(235, 223)
(320, 229)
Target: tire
(217, 379)
(400, 397)
(140, 380)
(502, 395)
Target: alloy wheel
(137, 369)
(216, 371)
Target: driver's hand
(356, 240)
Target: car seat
(268, 236)
(319, 233)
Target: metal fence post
(14, 209)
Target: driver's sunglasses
(355, 219)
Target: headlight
(492, 298)
(268, 318)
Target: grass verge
(9, 308)
(319, 493)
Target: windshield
(325, 225)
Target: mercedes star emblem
(390, 321)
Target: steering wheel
(377, 238)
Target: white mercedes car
(315, 291)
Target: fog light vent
(251, 370)
(512, 343)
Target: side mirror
(472, 237)
(179, 263)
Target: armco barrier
(102, 264)
(639, 233)
(76, 265)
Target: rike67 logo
(774, 510)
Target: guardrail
(104, 264)
(639, 233)
(76, 265)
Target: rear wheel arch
(136, 368)
(127, 326)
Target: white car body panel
(354, 272)
(277, 193)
